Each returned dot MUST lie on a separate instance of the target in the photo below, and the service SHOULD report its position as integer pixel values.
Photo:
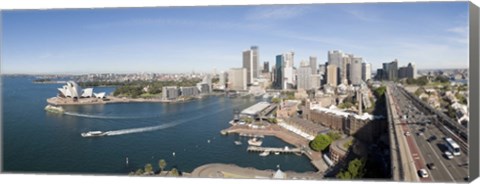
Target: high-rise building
(390, 70)
(279, 78)
(355, 71)
(342, 61)
(313, 64)
(189, 91)
(222, 80)
(288, 70)
(408, 71)
(366, 71)
(170, 92)
(250, 63)
(304, 77)
(412, 70)
(315, 81)
(332, 74)
(321, 69)
(237, 79)
(266, 67)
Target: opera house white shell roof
(73, 90)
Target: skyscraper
(313, 64)
(266, 67)
(332, 75)
(237, 79)
(304, 77)
(366, 71)
(279, 64)
(250, 63)
(355, 71)
(288, 70)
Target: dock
(273, 150)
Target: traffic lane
(454, 165)
(438, 147)
(415, 152)
(441, 172)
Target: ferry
(54, 109)
(264, 154)
(255, 142)
(94, 134)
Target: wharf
(270, 149)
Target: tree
(139, 172)
(275, 100)
(174, 172)
(162, 164)
(148, 168)
(321, 142)
(334, 135)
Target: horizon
(151, 40)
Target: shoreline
(112, 99)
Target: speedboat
(93, 134)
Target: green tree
(148, 168)
(139, 172)
(162, 164)
(334, 135)
(174, 172)
(321, 142)
(276, 100)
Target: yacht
(264, 154)
(255, 142)
(93, 134)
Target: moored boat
(255, 142)
(264, 154)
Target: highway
(413, 118)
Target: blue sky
(182, 39)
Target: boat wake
(105, 117)
(162, 126)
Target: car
(448, 155)
(431, 166)
(419, 133)
(423, 173)
(432, 138)
(407, 133)
(422, 130)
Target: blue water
(37, 141)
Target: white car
(407, 133)
(423, 173)
(448, 154)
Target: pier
(271, 149)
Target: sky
(201, 39)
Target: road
(424, 152)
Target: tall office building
(250, 63)
(315, 81)
(366, 71)
(412, 70)
(237, 79)
(279, 78)
(342, 61)
(391, 70)
(355, 72)
(313, 64)
(321, 69)
(288, 70)
(332, 75)
(222, 80)
(266, 67)
(304, 77)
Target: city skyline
(110, 40)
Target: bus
(452, 146)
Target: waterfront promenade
(285, 135)
(110, 99)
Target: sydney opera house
(73, 90)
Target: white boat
(237, 143)
(277, 153)
(54, 109)
(93, 134)
(255, 142)
(264, 154)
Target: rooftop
(257, 108)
